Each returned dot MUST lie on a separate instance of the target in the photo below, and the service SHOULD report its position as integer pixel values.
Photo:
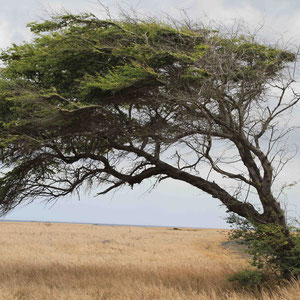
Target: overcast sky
(172, 203)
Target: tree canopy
(93, 102)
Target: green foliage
(271, 246)
(248, 279)
(194, 74)
(81, 55)
(118, 78)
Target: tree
(94, 102)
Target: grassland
(70, 261)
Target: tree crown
(102, 102)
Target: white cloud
(5, 34)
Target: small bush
(249, 279)
(271, 249)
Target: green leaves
(119, 78)
(84, 58)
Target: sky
(172, 203)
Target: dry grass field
(70, 261)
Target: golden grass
(70, 261)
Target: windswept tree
(109, 103)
